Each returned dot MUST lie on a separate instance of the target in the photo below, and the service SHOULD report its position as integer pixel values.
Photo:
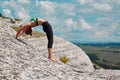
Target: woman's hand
(19, 33)
(18, 38)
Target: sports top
(35, 21)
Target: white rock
(27, 60)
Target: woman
(47, 29)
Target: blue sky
(74, 20)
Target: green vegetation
(106, 57)
(96, 66)
(63, 59)
(10, 18)
(35, 34)
(5, 17)
(17, 19)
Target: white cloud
(85, 25)
(115, 26)
(103, 19)
(7, 13)
(51, 7)
(70, 23)
(111, 1)
(5, 3)
(48, 6)
(83, 2)
(68, 9)
(19, 11)
(87, 10)
(102, 34)
(9, 4)
(102, 7)
(23, 14)
(117, 2)
(36, 2)
(24, 1)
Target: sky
(74, 20)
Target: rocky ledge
(27, 59)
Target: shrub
(64, 59)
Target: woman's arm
(22, 30)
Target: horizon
(87, 42)
(74, 20)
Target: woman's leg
(50, 43)
(48, 30)
(50, 55)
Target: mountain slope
(27, 59)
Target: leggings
(49, 32)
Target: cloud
(101, 34)
(23, 14)
(87, 10)
(7, 13)
(70, 23)
(9, 4)
(114, 2)
(18, 10)
(67, 8)
(24, 1)
(36, 2)
(85, 25)
(83, 2)
(115, 26)
(48, 7)
(103, 19)
(117, 2)
(103, 7)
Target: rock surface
(0, 15)
(27, 60)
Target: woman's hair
(28, 31)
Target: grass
(64, 59)
(35, 34)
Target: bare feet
(52, 59)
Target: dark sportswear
(35, 21)
(47, 29)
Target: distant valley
(106, 55)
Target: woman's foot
(52, 59)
